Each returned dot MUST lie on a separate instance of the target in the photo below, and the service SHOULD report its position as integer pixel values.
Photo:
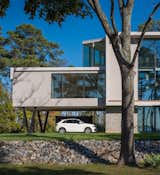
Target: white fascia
(93, 41)
(58, 69)
(155, 35)
(11, 73)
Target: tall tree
(26, 46)
(57, 10)
(8, 115)
(3, 7)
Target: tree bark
(127, 156)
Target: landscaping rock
(70, 152)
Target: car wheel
(62, 130)
(88, 130)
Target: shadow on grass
(42, 171)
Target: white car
(74, 125)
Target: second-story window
(94, 54)
(149, 70)
(78, 85)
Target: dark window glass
(149, 56)
(57, 86)
(86, 56)
(66, 121)
(76, 121)
(97, 58)
(146, 85)
(102, 58)
(90, 83)
(72, 85)
(101, 90)
(78, 85)
(149, 75)
(149, 119)
(149, 85)
(94, 54)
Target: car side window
(67, 121)
(76, 121)
(72, 121)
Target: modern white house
(96, 85)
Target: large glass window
(87, 56)
(149, 119)
(149, 72)
(149, 85)
(149, 56)
(78, 85)
(94, 54)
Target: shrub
(152, 160)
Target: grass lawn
(74, 136)
(91, 169)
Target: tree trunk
(127, 156)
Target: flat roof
(133, 35)
(56, 70)
(37, 69)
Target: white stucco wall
(113, 123)
(113, 77)
(31, 87)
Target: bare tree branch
(108, 29)
(121, 6)
(112, 18)
(126, 30)
(91, 3)
(95, 5)
(143, 33)
(129, 3)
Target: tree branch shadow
(46, 171)
(88, 153)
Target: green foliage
(153, 26)
(152, 160)
(56, 10)
(26, 46)
(3, 7)
(8, 115)
(52, 10)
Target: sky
(74, 30)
